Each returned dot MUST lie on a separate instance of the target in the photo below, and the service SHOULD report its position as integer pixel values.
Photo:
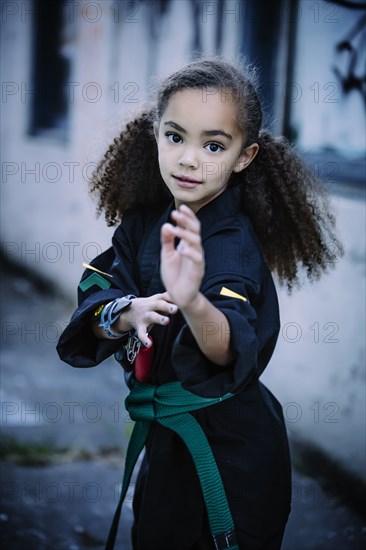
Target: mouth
(186, 181)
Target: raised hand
(182, 268)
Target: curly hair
(287, 205)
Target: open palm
(182, 268)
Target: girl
(210, 205)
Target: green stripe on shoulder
(94, 279)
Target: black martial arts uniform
(246, 432)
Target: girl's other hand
(182, 268)
(143, 313)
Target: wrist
(110, 316)
(194, 305)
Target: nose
(189, 157)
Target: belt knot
(141, 403)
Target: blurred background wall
(72, 71)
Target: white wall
(323, 115)
(318, 369)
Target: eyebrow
(205, 132)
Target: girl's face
(200, 145)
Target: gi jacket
(246, 432)
(234, 263)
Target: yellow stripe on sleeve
(87, 266)
(227, 292)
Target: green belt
(170, 404)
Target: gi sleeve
(238, 283)
(78, 345)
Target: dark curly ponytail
(290, 212)
(128, 176)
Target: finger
(161, 296)
(191, 253)
(158, 319)
(143, 330)
(162, 306)
(167, 237)
(194, 239)
(185, 208)
(166, 296)
(164, 303)
(142, 335)
(185, 217)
